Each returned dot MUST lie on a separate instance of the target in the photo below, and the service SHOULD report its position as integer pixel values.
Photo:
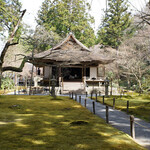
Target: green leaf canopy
(9, 14)
(117, 19)
(64, 16)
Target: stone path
(121, 121)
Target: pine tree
(115, 23)
(64, 16)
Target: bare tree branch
(13, 44)
(19, 69)
(8, 43)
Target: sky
(33, 6)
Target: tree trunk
(0, 76)
(117, 67)
(140, 86)
(31, 79)
(128, 82)
(8, 43)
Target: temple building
(74, 66)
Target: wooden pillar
(36, 70)
(84, 70)
(104, 71)
(82, 74)
(59, 75)
(59, 71)
(43, 72)
(84, 77)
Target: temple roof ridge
(71, 35)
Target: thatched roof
(71, 51)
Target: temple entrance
(72, 74)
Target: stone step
(72, 86)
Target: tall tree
(11, 17)
(113, 28)
(64, 16)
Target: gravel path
(121, 121)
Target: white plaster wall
(93, 72)
(47, 71)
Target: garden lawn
(44, 123)
(139, 105)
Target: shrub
(7, 83)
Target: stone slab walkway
(121, 121)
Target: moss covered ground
(44, 123)
(139, 105)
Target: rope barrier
(114, 113)
(141, 125)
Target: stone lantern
(53, 83)
(106, 81)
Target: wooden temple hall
(74, 66)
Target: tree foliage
(9, 14)
(115, 23)
(10, 42)
(64, 16)
(40, 39)
(7, 83)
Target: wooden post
(107, 114)
(103, 100)
(85, 102)
(91, 95)
(96, 97)
(99, 93)
(75, 97)
(113, 103)
(111, 87)
(86, 94)
(72, 95)
(132, 129)
(93, 107)
(79, 99)
(127, 106)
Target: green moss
(62, 124)
(139, 105)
